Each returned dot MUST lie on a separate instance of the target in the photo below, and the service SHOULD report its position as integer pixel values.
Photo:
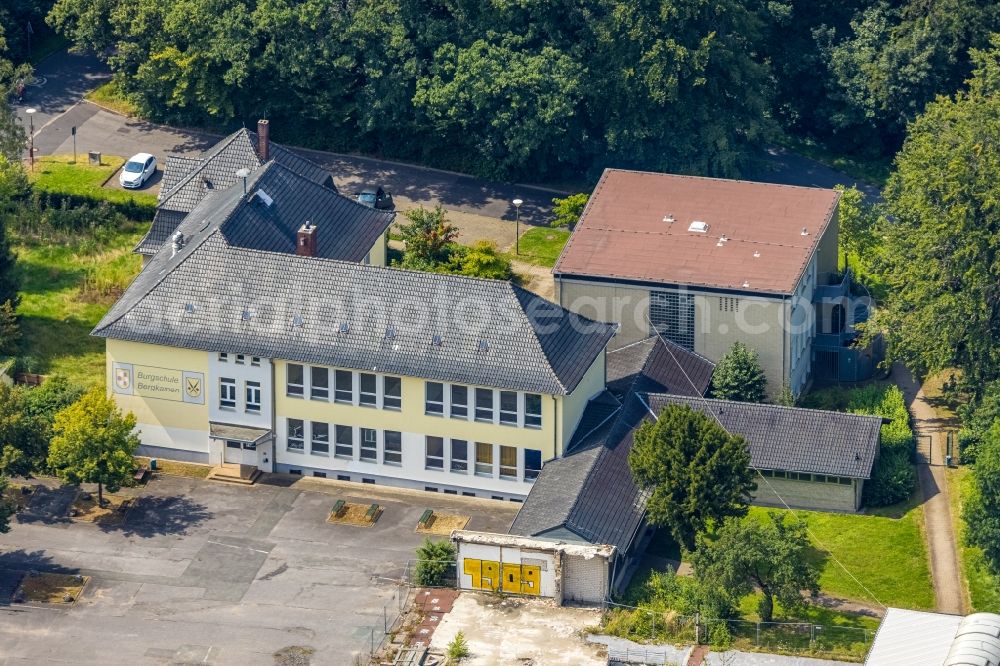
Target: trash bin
(152, 463)
(94, 157)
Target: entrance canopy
(238, 433)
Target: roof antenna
(243, 173)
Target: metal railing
(383, 629)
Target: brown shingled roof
(623, 235)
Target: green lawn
(982, 587)
(542, 245)
(110, 96)
(57, 174)
(67, 286)
(887, 554)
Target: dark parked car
(376, 197)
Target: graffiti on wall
(504, 576)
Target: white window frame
(396, 453)
(361, 393)
(288, 381)
(313, 439)
(439, 405)
(463, 463)
(301, 439)
(322, 394)
(512, 417)
(337, 429)
(398, 399)
(437, 458)
(227, 394)
(533, 421)
(452, 404)
(480, 467)
(493, 405)
(253, 396)
(512, 471)
(370, 446)
(337, 391)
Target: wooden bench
(425, 517)
(141, 474)
(372, 512)
(338, 508)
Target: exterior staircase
(243, 475)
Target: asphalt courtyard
(208, 573)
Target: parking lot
(203, 572)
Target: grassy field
(57, 174)
(542, 245)
(982, 588)
(67, 286)
(110, 96)
(886, 553)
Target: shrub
(567, 210)
(892, 480)
(458, 648)
(435, 563)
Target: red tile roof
(623, 233)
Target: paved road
(69, 76)
(203, 572)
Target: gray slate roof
(186, 180)
(794, 439)
(248, 294)
(591, 493)
(657, 365)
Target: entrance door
(233, 452)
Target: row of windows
(802, 476)
(430, 489)
(240, 359)
(458, 452)
(227, 395)
(489, 406)
(353, 388)
(367, 441)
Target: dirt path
(938, 529)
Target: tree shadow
(48, 506)
(152, 516)
(15, 564)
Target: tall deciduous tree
(771, 556)
(7, 506)
(567, 210)
(738, 376)
(696, 471)
(940, 254)
(94, 442)
(427, 235)
(982, 510)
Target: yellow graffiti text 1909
(511, 578)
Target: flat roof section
(687, 230)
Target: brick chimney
(305, 240)
(263, 140)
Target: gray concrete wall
(811, 495)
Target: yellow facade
(157, 412)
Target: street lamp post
(31, 136)
(517, 225)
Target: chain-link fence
(385, 627)
(800, 638)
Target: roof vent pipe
(243, 173)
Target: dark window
(295, 379)
(320, 383)
(532, 410)
(393, 453)
(344, 388)
(297, 472)
(343, 477)
(508, 408)
(253, 396)
(844, 481)
(321, 438)
(227, 393)
(344, 444)
(364, 480)
(459, 456)
(430, 489)
(296, 440)
(532, 464)
(484, 404)
(368, 391)
(392, 395)
(672, 315)
(434, 398)
(459, 402)
(434, 453)
(369, 445)
(319, 475)
(450, 492)
(468, 494)
(496, 497)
